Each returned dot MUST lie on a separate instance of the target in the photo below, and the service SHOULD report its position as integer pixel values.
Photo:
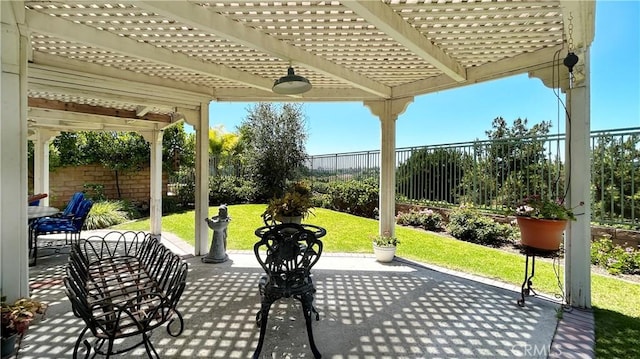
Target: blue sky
(464, 114)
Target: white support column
(155, 206)
(578, 177)
(14, 274)
(388, 112)
(202, 181)
(41, 162)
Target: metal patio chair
(70, 226)
(287, 252)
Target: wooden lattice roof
(159, 56)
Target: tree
(274, 137)
(514, 163)
(515, 148)
(223, 147)
(432, 174)
(118, 151)
(178, 149)
(616, 177)
(68, 149)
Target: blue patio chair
(72, 206)
(69, 210)
(70, 226)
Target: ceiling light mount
(291, 84)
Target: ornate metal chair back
(287, 252)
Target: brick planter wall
(134, 186)
(620, 237)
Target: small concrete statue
(218, 251)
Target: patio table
(318, 231)
(34, 212)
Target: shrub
(185, 188)
(94, 191)
(359, 198)
(426, 218)
(230, 190)
(170, 205)
(321, 200)
(133, 210)
(468, 225)
(246, 191)
(105, 214)
(614, 258)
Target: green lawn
(615, 301)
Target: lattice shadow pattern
(363, 314)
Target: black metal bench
(123, 285)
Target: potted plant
(16, 318)
(384, 246)
(542, 222)
(295, 205)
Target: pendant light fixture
(291, 84)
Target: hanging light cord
(569, 61)
(556, 270)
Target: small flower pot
(384, 254)
(543, 234)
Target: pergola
(145, 65)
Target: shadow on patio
(367, 309)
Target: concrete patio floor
(367, 310)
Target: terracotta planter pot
(541, 233)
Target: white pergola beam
(96, 94)
(236, 32)
(316, 94)
(89, 85)
(579, 22)
(83, 121)
(67, 30)
(512, 66)
(142, 110)
(55, 64)
(386, 20)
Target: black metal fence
(495, 174)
